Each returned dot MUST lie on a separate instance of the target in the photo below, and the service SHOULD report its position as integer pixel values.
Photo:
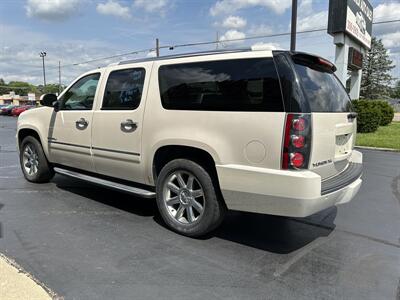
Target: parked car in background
(6, 110)
(16, 111)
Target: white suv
(258, 131)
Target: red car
(20, 109)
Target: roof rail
(191, 54)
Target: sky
(75, 31)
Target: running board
(107, 183)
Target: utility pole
(157, 47)
(216, 47)
(59, 77)
(42, 55)
(293, 26)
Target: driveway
(86, 242)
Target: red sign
(355, 59)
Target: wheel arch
(31, 131)
(24, 132)
(167, 153)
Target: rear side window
(227, 85)
(124, 89)
(322, 90)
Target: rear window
(323, 90)
(227, 85)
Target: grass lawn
(384, 137)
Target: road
(86, 242)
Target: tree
(3, 87)
(52, 88)
(376, 76)
(396, 90)
(21, 87)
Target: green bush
(369, 115)
(387, 112)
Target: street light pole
(42, 55)
(293, 26)
(157, 47)
(59, 77)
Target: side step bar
(106, 183)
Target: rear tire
(33, 161)
(188, 198)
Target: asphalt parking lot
(86, 242)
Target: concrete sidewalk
(16, 284)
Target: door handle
(81, 123)
(128, 126)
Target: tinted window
(292, 94)
(231, 85)
(323, 91)
(81, 94)
(124, 89)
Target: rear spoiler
(313, 61)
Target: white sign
(31, 97)
(356, 24)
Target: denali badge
(321, 163)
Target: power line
(171, 47)
(264, 36)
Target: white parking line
(12, 166)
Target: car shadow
(122, 201)
(281, 235)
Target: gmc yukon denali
(269, 132)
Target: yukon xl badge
(321, 163)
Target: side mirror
(48, 100)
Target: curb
(15, 265)
(378, 149)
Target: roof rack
(191, 54)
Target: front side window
(81, 95)
(124, 89)
(226, 85)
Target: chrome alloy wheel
(184, 197)
(30, 159)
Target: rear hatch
(320, 94)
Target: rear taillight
(296, 141)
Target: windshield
(323, 90)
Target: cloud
(151, 54)
(232, 35)
(387, 11)
(53, 10)
(317, 20)
(113, 8)
(151, 5)
(266, 46)
(230, 6)
(305, 7)
(20, 59)
(391, 40)
(234, 22)
(261, 29)
(389, 32)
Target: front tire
(33, 161)
(188, 198)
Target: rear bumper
(287, 193)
